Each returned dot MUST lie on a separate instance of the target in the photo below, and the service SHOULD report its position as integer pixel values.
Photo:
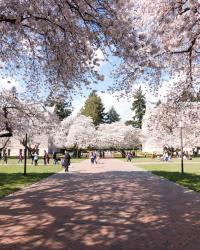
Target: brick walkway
(111, 206)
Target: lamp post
(181, 135)
(25, 154)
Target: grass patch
(191, 181)
(12, 182)
(172, 171)
(12, 178)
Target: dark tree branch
(5, 144)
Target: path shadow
(109, 210)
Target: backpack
(63, 162)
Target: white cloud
(122, 105)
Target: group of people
(34, 158)
(167, 156)
(95, 156)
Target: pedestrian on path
(67, 161)
(95, 157)
(129, 156)
(92, 158)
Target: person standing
(5, 157)
(36, 158)
(67, 161)
(54, 158)
(45, 157)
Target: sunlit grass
(12, 178)
(172, 170)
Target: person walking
(92, 158)
(95, 157)
(36, 159)
(20, 158)
(129, 156)
(67, 161)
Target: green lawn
(172, 171)
(12, 178)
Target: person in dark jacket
(55, 160)
(67, 161)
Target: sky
(122, 105)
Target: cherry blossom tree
(80, 133)
(168, 46)
(53, 44)
(19, 117)
(75, 132)
(161, 126)
(117, 135)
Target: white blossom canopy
(55, 42)
(169, 39)
(80, 132)
(18, 118)
(117, 135)
(75, 132)
(161, 126)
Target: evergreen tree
(190, 95)
(94, 108)
(112, 116)
(138, 107)
(129, 122)
(63, 108)
(158, 103)
(196, 97)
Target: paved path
(111, 206)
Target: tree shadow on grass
(191, 181)
(11, 182)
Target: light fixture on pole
(181, 135)
(25, 154)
